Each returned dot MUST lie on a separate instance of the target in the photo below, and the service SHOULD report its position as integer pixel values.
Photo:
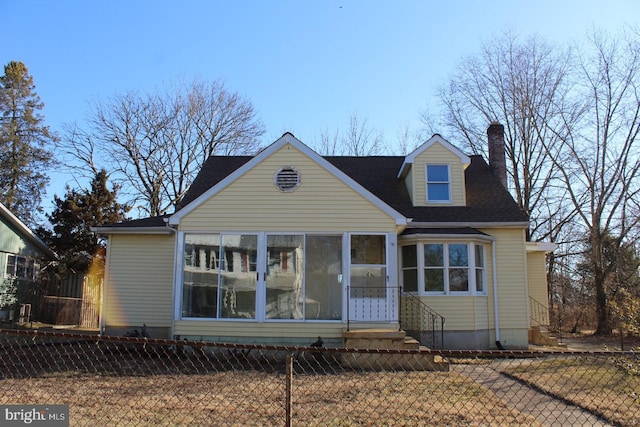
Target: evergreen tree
(24, 156)
(72, 220)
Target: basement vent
(287, 178)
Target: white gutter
(131, 230)
(15, 222)
(412, 224)
(173, 231)
(446, 236)
(545, 247)
(105, 282)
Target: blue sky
(305, 65)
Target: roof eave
(26, 231)
(468, 224)
(546, 247)
(158, 230)
(447, 236)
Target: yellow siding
(321, 203)
(437, 153)
(481, 311)
(139, 288)
(459, 311)
(536, 273)
(512, 280)
(408, 181)
(257, 329)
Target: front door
(370, 298)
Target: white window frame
(261, 275)
(447, 182)
(31, 264)
(482, 269)
(471, 267)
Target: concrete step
(395, 362)
(381, 339)
(374, 334)
(377, 338)
(411, 343)
(541, 336)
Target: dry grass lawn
(607, 386)
(118, 384)
(253, 398)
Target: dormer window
(438, 184)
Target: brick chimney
(497, 160)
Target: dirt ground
(590, 342)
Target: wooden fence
(71, 300)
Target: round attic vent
(287, 178)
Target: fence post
(348, 305)
(289, 375)
(399, 305)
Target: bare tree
(524, 86)
(572, 120)
(153, 145)
(359, 139)
(408, 139)
(600, 161)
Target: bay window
(447, 268)
(410, 268)
(458, 267)
(479, 256)
(434, 268)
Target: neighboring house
(289, 245)
(22, 253)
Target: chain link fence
(138, 381)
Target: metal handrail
(418, 318)
(412, 314)
(538, 312)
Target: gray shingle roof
(487, 200)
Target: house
(21, 252)
(289, 245)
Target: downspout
(105, 281)
(175, 252)
(496, 315)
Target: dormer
(434, 174)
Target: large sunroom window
(219, 276)
(323, 277)
(448, 268)
(303, 277)
(299, 276)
